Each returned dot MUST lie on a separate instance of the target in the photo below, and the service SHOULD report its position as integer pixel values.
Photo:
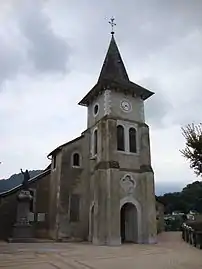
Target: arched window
(132, 140)
(95, 142)
(76, 159)
(120, 138)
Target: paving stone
(170, 253)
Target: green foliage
(193, 150)
(174, 223)
(190, 198)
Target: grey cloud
(47, 51)
(188, 109)
(144, 31)
(157, 23)
(144, 26)
(11, 60)
(158, 106)
(31, 42)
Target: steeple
(113, 67)
(114, 75)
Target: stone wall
(160, 217)
(54, 186)
(8, 207)
(74, 181)
(112, 103)
(42, 205)
(109, 169)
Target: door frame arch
(137, 205)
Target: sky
(51, 54)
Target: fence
(192, 234)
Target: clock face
(126, 106)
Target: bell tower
(122, 181)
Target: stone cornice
(103, 165)
(107, 165)
(143, 169)
(109, 117)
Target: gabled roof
(114, 74)
(65, 144)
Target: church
(99, 187)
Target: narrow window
(54, 162)
(74, 208)
(95, 142)
(120, 138)
(76, 159)
(132, 140)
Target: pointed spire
(113, 74)
(113, 66)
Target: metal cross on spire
(112, 24)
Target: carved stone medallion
(128, 184)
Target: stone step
(29, 240)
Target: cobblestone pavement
(170, 253)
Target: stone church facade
(101, 184)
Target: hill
(190, 198)
(167, 187)
(15, 180)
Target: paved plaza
(170, 252)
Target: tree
(193, 150)
(190, 198)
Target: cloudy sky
(51, 53)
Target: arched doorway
(129, 225)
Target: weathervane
(112, 24)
